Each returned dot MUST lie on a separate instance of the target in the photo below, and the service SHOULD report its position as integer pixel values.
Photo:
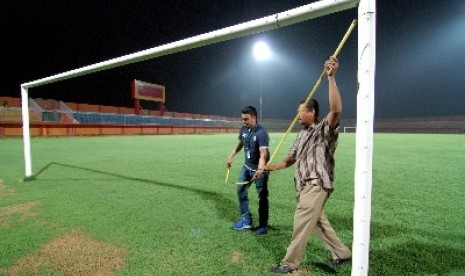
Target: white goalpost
(365, 95)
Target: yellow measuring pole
(315, 87)
(227, 176)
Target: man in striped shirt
(313, 154)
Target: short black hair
(312, 104)
(250, 110)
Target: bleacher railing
(131, 119)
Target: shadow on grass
(325, 267)
(426, 252)
(416, 252)
(223, 205)
(416, 258)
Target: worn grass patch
(236, 257)
(72, 254)
(8, 214)
(19, 212)
(5, 191)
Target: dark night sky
(420, 55)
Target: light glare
(261, 51)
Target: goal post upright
(26, 132)
(364, 136)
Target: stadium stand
(51, 117)
(14, 114)
(49, 111)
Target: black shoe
(283, 269)
(341, 261)
(262, 230)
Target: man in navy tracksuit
(254, 139)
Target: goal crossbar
(267, 23)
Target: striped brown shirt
(313, 151)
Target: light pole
(261, 52)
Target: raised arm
(335, 101)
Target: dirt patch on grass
(19, 211)
(236, 257)
(72, 254)
(301, 270)
(5, 191)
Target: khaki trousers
(309, 217)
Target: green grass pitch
(163, 200)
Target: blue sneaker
(241, 225)
(262, 230)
